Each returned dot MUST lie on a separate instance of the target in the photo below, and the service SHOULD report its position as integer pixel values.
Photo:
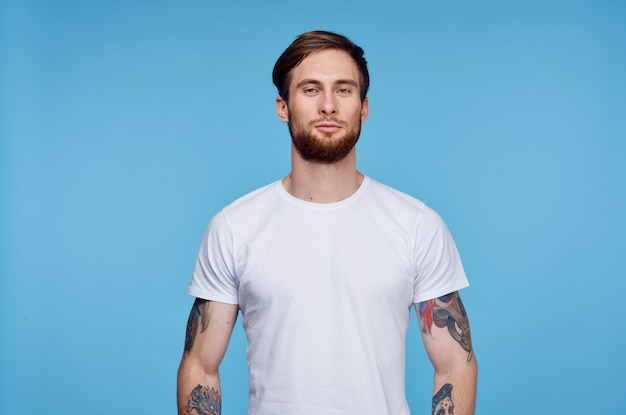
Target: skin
(446, 336)
(209, 329)
(324, 102)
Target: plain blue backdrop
(126, 125)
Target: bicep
(209, 328)
(445, 330)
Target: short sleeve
(439, 270)
(214, 277)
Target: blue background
(125, 125)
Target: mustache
(328, 120)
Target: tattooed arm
(209, 328)
(446, 335)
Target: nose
(328, 105)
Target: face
(324, 112)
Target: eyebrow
(337, 82)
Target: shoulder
(394, 195)
(404, 205)
(256, 196)
(246, 210)
(395, 199)
(252, 201)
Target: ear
(282, 109)
(364, 110)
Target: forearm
(455, 388)
(198, 392)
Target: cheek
(297, 111)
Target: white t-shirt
(325, 292)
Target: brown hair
(310, 42)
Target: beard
(324, 148)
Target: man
(325, 265)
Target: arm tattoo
(442, 401)
(447, 311)
(195, 319)
(204, 401)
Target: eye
(310, 91)
(343, 91)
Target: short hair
(315, 41)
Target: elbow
(467, 366)
(193, 368)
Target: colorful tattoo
(195, 318)
(442, 401)
(447, 311)
(204, 401)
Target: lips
(328, 127)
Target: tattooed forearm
(442, 401)
(447, 311)
(204, 401)
(195, 319)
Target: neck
(323, 183)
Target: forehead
(326, 65)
